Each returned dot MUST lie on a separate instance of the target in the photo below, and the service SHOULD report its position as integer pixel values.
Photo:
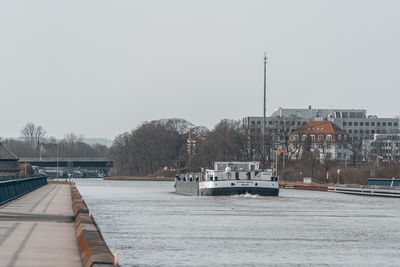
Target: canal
(148, 225)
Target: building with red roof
(322, 137)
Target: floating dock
(366, 191)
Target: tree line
(179, 145)
(33, 142)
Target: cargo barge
(229, 178)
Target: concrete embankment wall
(94, 251)
(13, 189)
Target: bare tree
(33, 135)
(284, 127)
(356, 147)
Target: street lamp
(57, 160)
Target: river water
(148, 225)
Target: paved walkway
(38, 229)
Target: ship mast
(265, 109)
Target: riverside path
(38, 229)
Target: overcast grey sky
(99, 68)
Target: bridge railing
(63, 159)
(12, 189)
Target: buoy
(115, 258)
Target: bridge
(85, 163)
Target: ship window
(237, 175)
(216, 178)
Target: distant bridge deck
(98, 163)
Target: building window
(344, 123)
(350, 131)
(355, 123)
(329, 137)
(396, 124)
(298, 123)
(344, 137)
(383, 123)
(339, 137)
(372, 123)
(367, 123)
(361, 123)
(295, 137)
(361, 131)
(372, 131)
(258, 122)
(367, 131)
(312, 137)
(378, 124)
(304, 137)
(350, 123)
(253, 122)
(321, 137)
(269, 122)
(356, 131)
(389, 124)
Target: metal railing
(12, 189)
(67, 159)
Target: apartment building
(385, 146)
(321, 137)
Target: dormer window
(304, 137)
(321, 137)
(295, 137)
(344, 137)
(312, 137)
(339, 137)
(329, 137)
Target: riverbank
(136, 178)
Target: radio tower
(265, 109)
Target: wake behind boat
(229, 178)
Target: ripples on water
(148, 225)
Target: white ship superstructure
(229, 178)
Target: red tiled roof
(320, 127)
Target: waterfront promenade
(38, 229)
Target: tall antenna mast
(265, 106)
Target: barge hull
(187, 188)
(192, 189)
(229, 191)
